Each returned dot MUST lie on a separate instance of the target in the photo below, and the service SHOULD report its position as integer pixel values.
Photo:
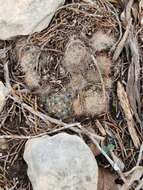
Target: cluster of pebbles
(88, 65)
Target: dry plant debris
(128, 113)
(109, 75)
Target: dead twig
(67, 126)
(7, 114)
(121, 44)
(140, 156)
(140, 185)
(127, 20)
(14, 137)
(128, 10)
(7, 79)
(42, 116)
(124, 102)
(12, 188)
(133, 83)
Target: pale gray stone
(23, 17)
(61, 162)
(4, 91)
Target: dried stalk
(124, 102)
(140, 156)
(121, 44)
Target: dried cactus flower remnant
(86, 78)
(76, 56)
(91, 102)
(95, 102)
(28, 64)
(104, 63)
(83, 73)
(58, 104)
(102, 41)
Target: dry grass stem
(121, 44)
(124, 102)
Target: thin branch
(42, 116)
(140, 155)
(124, 102)
(140, 185)
(14, 137)
(128, 10)
(121, 44)
(6, 74)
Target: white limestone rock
(23, 17)
(3, 94)
(61, 162)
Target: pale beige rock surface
(22, 17)
(3, 94)
(61, 162)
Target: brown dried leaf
(94, 149)
(106, 180)
(133, 84)
(124, 102)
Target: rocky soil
(71, 94)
